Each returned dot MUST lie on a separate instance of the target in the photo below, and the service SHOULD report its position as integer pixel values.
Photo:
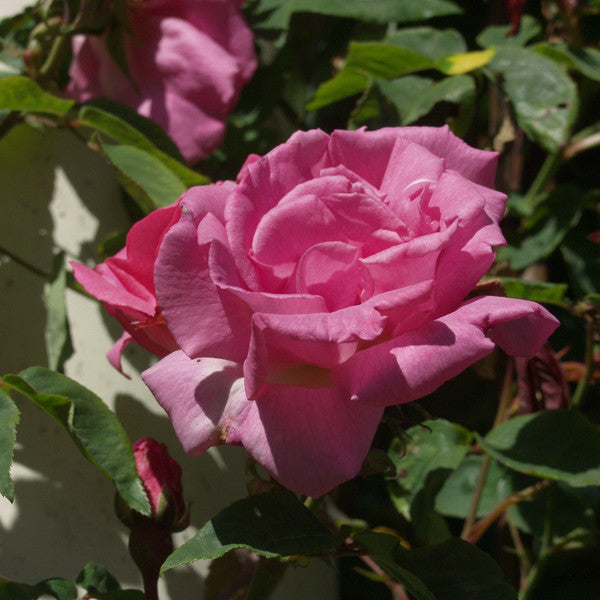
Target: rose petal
(111, 293)
(201, 319)
(203, 398)
(116, 352)
(263, 183)
(310, 440)
(418, 362)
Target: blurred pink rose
(188, 60)
(328, 284)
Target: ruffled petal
(202, 320)
(418, 362)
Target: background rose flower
(125, 282)
(188, 61)
(331, 286)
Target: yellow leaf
(457, 64)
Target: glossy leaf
(497, 35)
(537, 291)
(277, 13)
(558, 444)
(61, 589)
(95, 578)
(145, 177)
(274, 525)
(414, 96)
(450, 570)
(433, 450)
(431, 43)
(23, 94)
(542, 94)
(584, 60)
(128, 128)
(57, 335)
(455, 495)
(93, 427)
(365, 62)
(9, 419)
(558, 213)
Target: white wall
(58, 194)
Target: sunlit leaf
(542, 94)
(9, 418)
(95, 429)
(431, 43)
(23, 94)
(145, 177)
(365, 62)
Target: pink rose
(125, 284)
(188, 61)
(328, 284)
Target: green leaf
(23, 94)
(59, 346)
(431, 43)
(61, 589)
(559, 212)
(274, 525)
(385, 549)
(584, 60)
(277, 13)
(448, 571)
(11, 65)
(537, 291)
(455, 495)
(120, 595)
(583, 259)
(572, 508)
(414, 96)
(558, 444)
(96, 579)
(147, 179)
(497, 35)
(434, 449)
(543, 96)
(9, 418)
(456, 569)
(9, 590)
(367, 61)
(127, 127)
(93, 427)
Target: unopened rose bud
(161, 478)
(150, 536)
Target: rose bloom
(188, 60)
(328, 283)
